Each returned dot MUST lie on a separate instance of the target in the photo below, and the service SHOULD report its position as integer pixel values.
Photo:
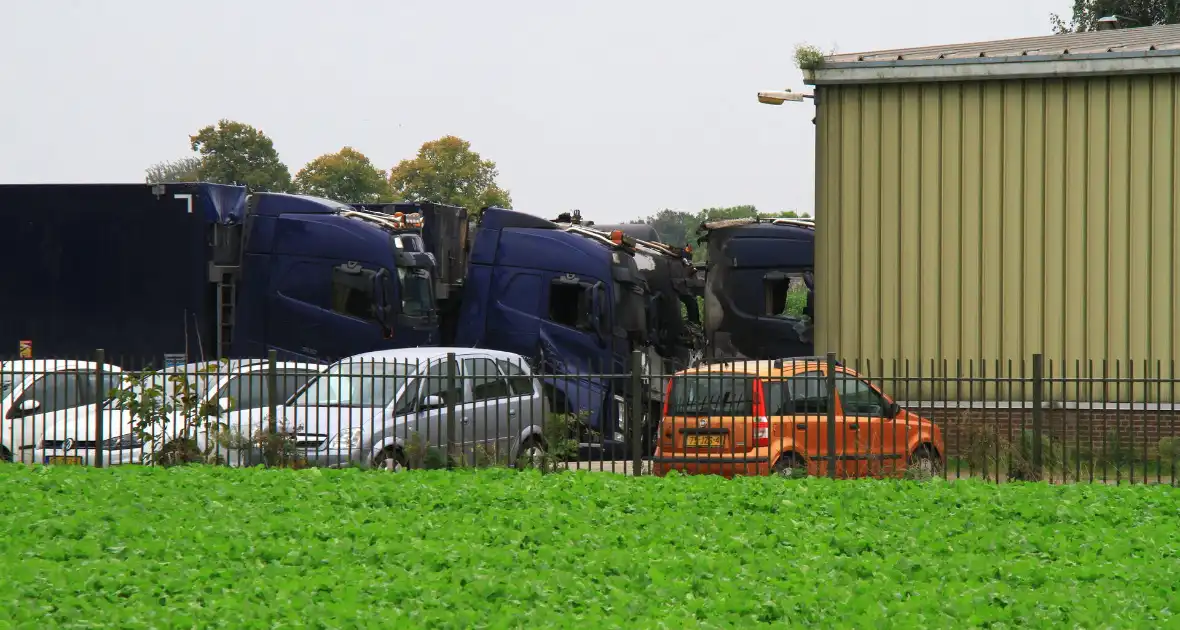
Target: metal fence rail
(1033, 420)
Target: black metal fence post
(272, 389)
(1038, 415)
(100, 357)
(831, 378)
(635, 421)
(450, 410)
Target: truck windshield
(357, 384)
(417, 295)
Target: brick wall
(1095, 431)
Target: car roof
(423, 354)
(52, 365)
(765, 367)
(247, 366)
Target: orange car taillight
(762, 426)
(762, 432)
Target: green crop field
(208, 547)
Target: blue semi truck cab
(578, 301)
(753, 267)
(324, 280)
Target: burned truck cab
(759, 288)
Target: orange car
(761, 417)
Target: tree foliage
(346, 176)
(1086, 14)
(448, 171)
(182, 170)
(233, 152)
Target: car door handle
(512, 412)
(464, 419)
(855, 426)
(802, 426)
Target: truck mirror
(432, 402)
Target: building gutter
(994, 68)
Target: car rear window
(715, 394)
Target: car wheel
(390, 459)
(924, 464)
(790, 466)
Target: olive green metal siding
(989, 221)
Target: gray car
(381, 408)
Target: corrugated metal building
(991, 201)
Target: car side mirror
(25, 408)
(893, 410)
(432, 402)
(224, 405)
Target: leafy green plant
(808, 57)
(167, 411)
(422, 456)
(204, 546)
(559, 434)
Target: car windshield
(416, 293)
(166, 383)
(712, 394)
(356, 384)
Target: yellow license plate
(66, 460)
(702, 440)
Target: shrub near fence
(1001, 423)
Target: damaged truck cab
(577, 301)
(758, 289)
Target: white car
(374, 409)
(33, 388)
(69, 439)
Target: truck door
(327, 309)
(575, 341)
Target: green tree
(182, 170)
(676, 227)
(233, 152)
(346, 176)
(448, 171)
(1086, 14)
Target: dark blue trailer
(119, 267)
(205, 271)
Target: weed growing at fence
(139, 547)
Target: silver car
(381, 408)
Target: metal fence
(1033, 420)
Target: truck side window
(570, 305)
(787, 293)
(352, 294)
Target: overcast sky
(617, 108)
